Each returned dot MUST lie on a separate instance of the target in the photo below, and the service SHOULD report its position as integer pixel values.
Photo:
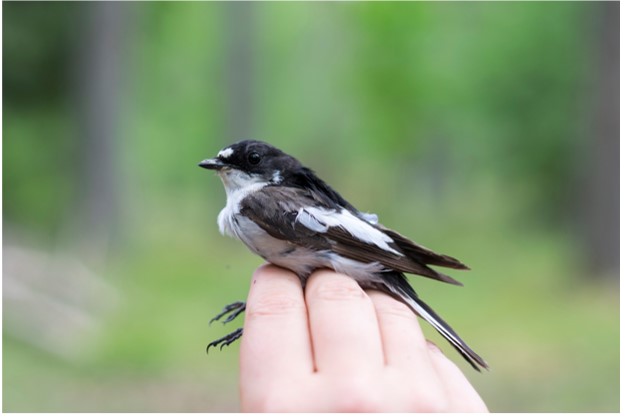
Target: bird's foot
(234, 309)
(226, 340)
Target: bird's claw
(226, 340)
(234, 309)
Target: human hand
(336, 348)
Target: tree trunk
(600, 191)
(98, 78)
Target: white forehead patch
(225, 153)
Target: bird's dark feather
(422, 254)
(273, 209)
(305, 179)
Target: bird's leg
(226, 340)
(234, 309)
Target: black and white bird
(286, 214)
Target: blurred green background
(488, 131)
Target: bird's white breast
(238, 186)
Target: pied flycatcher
(286, 214)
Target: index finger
(276, 339)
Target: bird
(283, 212)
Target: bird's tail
(400, 287)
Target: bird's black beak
(212, 164)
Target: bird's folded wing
(294, 215)
(275, 209)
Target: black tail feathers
(400, 288)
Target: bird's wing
(294, 215)
(305, 179)
(275, 209)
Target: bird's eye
(254, 158)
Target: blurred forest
(490, 130)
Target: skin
(337, 348)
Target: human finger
(403, 342)
(342, 320)
(275, 342)
(461, 395)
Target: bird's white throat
(238, 185)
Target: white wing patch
(319, 220)
(308, 220)
(370, 217)
(225, 153)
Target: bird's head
(250, 162)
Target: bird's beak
(212, 164)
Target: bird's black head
(247, 164)
(258, 160)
